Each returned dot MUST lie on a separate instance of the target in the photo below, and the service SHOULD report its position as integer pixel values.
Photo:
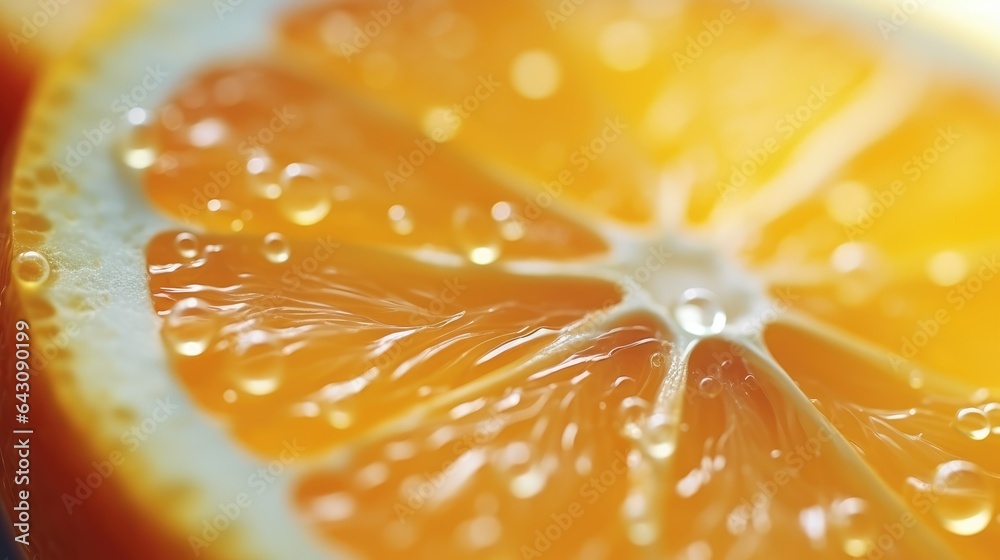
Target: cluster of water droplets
(961, 495)
(652, 429)
(958, 496)
(300, 192)
(305, 194)
(253, 357)
(978, 422)
(480, 235)
(138, 150)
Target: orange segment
(495, 81)
(919, 325)
(901, 245)
(539, 465)
(926, 437)
(323, 342)
(759, 470)
(260, 149)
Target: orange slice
(436, 280)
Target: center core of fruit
(704, 292)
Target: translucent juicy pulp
(485, 477)
(755, 471)
(910, 430)
(328, 343)
(259, 149)
(494, 80)
(901, 245)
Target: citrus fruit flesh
(517, 293)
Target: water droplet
(659, 436)
(257, 164)
(635, 506)
(480, 532)
(916, 379)
(853, 522)
(625, 45)
(31, 269)
(306, 409)
(338, 417)
(206, 132)
(965, 495)
(699, 314)
(138, 149)
(992, 412)
(643, 533)
(501, 211)
(698, 550)
(535, 74)
(262, 179)
(632, 413)
(400, 450)
(813, 522)
(258, 364)
(190, 327)
(514, 457)
(334, 507)
(947, 268)
(973, 423)
(136, 116)
(511, 228)
(514, 462)
(657, 360)
(276, 248)
(525, 476)
(849, 257)
(400, 219)
(861, 267)
(710, 386)
(305, 199)
(477, 235)
(187, 245)
(440, 125)
(527, 484)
